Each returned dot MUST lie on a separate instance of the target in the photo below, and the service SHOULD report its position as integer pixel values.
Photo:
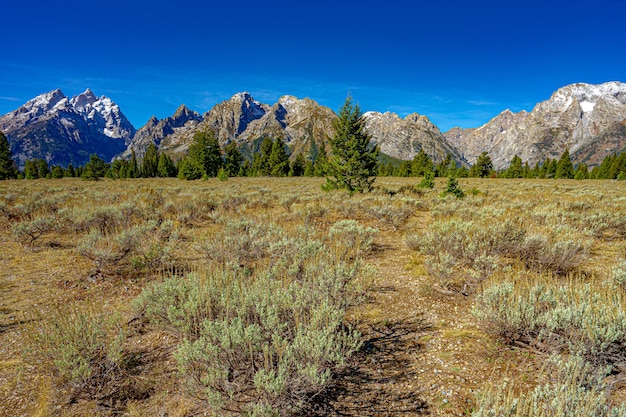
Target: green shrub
(572, 388)
(350, 239)
(108, 250)
(619, 274)
(391, 216)
(428, 181)
(28, 231)
(577, 318)
(453, 188)
(83, 348)
(262, 340)
(462, 254)
(255, 344)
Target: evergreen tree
(617, 166)
(278, 161)
(421, 164)
(515, 169)
(353, 163)
(321, 163)
(166, 167)
(232, 159)
(57, 172)
(150, 162)
(30, 170)
(564, 168)
(95, 169)
(119, 168)
(43, 170)
(309, 169)
(582, 172)
(551, 168)
(386, 170)
(298, 166)
(7, 166)
(404, 169)
(133, 170)
(483, 166)
(428, 181)
(205, 152)
(442, 168)
(453, 188)
(260, 161)
(70, 172)
(190, 169)
(244, 169)
(461, 172)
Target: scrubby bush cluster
(263, 327)
(569, 387)
(578, 318)
(84, 347)
(463, 253)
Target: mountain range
(587, 119)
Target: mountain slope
(577, 116)
(403, 138)
(66, 131)
(183, 122)
(304, 124)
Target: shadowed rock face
(182, 124)
(585, 118)
(66, 131)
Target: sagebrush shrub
(83, 347)
(350, 239)
(573, 388)
(578, 318)
(262, 340)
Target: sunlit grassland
(139, 297)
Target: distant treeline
(207, 159)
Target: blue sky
(458, 62)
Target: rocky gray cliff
(303, 122)
(403, 138)
(244, 120)
(66, 131)
(182, 123)
(585, 118)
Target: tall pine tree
(564, 168)
(7, 166)
(353, 162)
(278, 160)
(150, 163)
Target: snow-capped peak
(43, 103)
(588, 95)
(242, 97)
(83, 100)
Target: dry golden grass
(424, 350)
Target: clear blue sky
(457, 62)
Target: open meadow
(271, 297)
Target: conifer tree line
(207, 159)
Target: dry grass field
(268, 296)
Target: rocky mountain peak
(573, 118)
(64, 131)
(83, 100)
(183, 114)
(42, 104)
(403, 138)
